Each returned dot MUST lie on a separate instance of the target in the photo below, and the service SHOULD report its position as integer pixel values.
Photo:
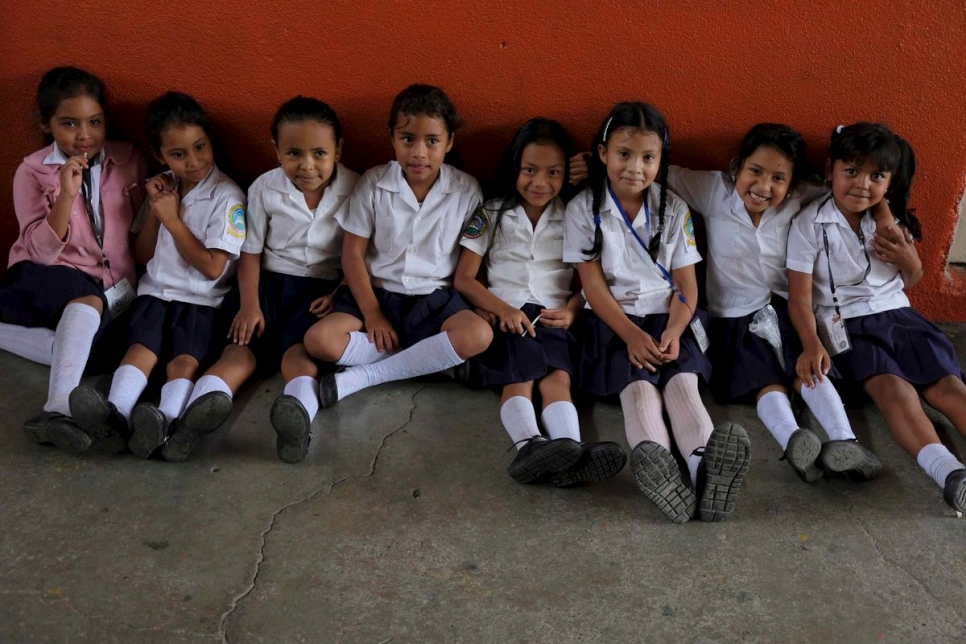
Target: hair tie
(606, 127)
(838, 129)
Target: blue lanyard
(630, 227)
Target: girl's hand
(557, 318)
(515, 321)
(670, 346)
(163, 201)
(491, 319)
(321, 307)
(813, 361)
(248, 321)
(898, 250)
(578, 167)
(71, 176)
(644, 352)
(381, 332)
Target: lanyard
(660, 230)
(828, 259)
(87, 189)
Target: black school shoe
(328, 391)
(722, 471)
(540, 458)
(850, 458)
(954, 492)
(802, 454)
(150, 430)
(65, 434)
(659, 478)
(599, 462)
(293, 428)
(203, 416)
(35, 429)
(92, 412)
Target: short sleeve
(360, 217)
(256, 222)
(226, 228)
(579, 229)
(478, 232)
(696, 187)
(802, 244)
(680, 237)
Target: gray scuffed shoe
(150, 430)
(850, 458)
(35, 429)
(67, 435)
(722, 471)
(954, 491)
(600, 461)
(203, 416)
(91, 411)
(328, 391)
(659, 478)
(802, 454)
(293, 428)
(539, 458)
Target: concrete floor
(402, 526)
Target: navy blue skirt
(744, 363)
(899, 342)
(171, 329)
(414, 317)
(34, 295)
(605, 369)
(512, 358)
(285, 301)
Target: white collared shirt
(635, 282)
(746, 265)
(523, 264)
(857, 295)
(214, 212)
(57, 157)
(413, 247)
(291, 238)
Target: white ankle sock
(360, 351)
(694, 460)
(519, 419)
(33, 343)
(643, 410)
(126, 387)
(827, 407)
(938, 462)
(174, 398)
(433, 354)
(306, 390)
(690, 422)
(206, 384)
(72, 346)
(775, 411)
(560, 420)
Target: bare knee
(183, 366)
(945, 392)
(238, 356)
(326, 340)
(887, 389)
(555, 380)
(469, 334)
(777, 388)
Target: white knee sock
(72, 346)
(33, 343)
(690, 422)
(126, 387)
(827, 407)
(208, 383)
(360, 351)
(643, 410)
(775, 411)
(305, 389)
(174, 398)
(519, 419)
(560, 420)
(938, 462)
(433, 354)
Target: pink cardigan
(35, 189)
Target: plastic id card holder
(119, 297)
(834, 335)
(699, 334)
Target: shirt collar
(652, 194)
(205, 187)
(393, 180)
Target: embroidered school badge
(236, 221)
(477, 225)
(688, 227)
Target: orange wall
(712, 71)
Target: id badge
(698, 330)
(834, 335)
(119, 297)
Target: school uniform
(174, 313)
(745, 272)
(413, 248)
(886, 333)
(637, 284)
(525, 269)
(301, 253)
(45, 272)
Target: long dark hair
(62, 83)
(639, 116)
(773, 135)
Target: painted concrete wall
(714, 69)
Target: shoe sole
(38, 435)
(600, 462)
(659, 478)
(328, 391)
(292, 424)
(68, 436)
(150, 430)
(850, 459)
(557, 456)
(202, 417)
(91, 412)
(726, 459)
(802, 454)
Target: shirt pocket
(612, 253)
(448, 234)
(724, 239)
